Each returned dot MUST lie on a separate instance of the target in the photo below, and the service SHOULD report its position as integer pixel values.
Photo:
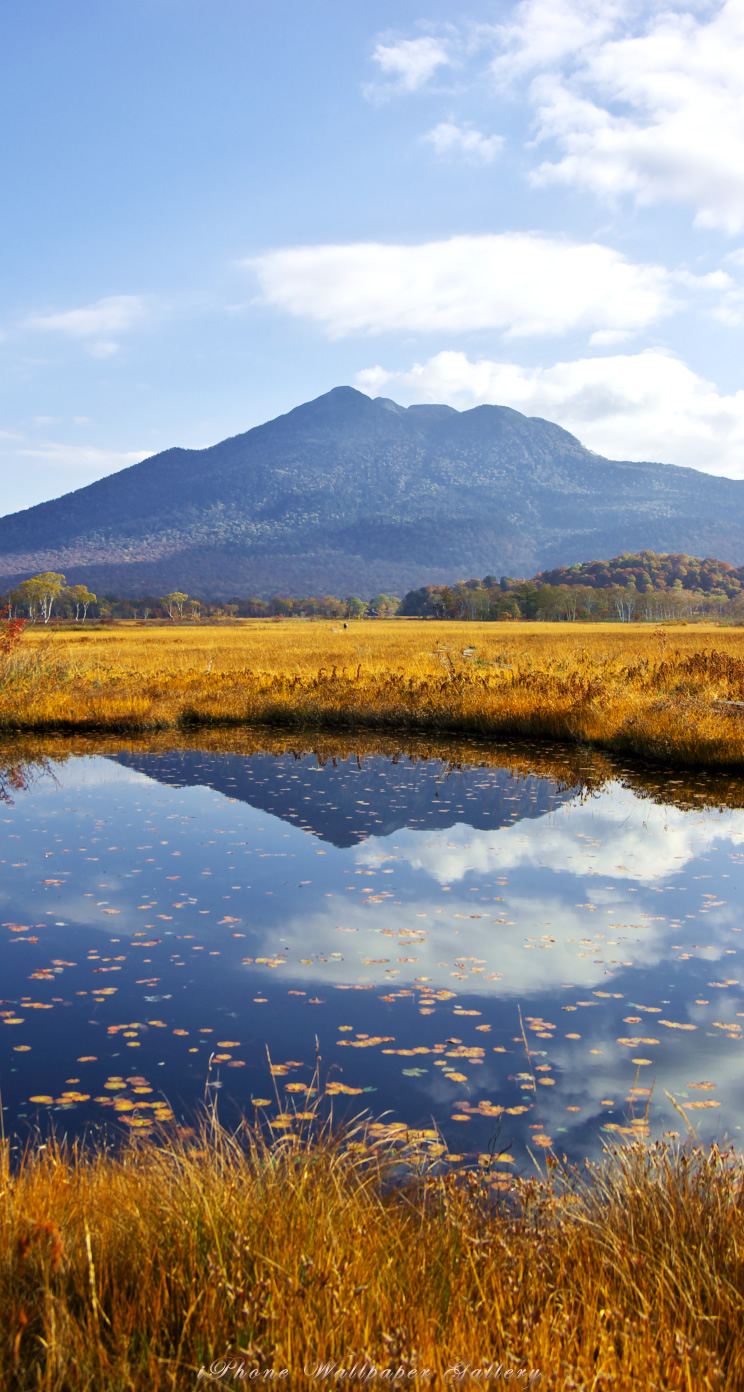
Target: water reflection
(345, 800)
(204, 903)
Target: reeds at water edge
(145, 1267)
(669, 696)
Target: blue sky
(213, 212)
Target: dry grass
(624, 688)
(136, 1270)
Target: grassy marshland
(625, 688)
(137, 1270)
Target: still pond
(521, 950)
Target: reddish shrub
(11, 632)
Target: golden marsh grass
(625, 688)
(142, 1269)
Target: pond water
(521, 950)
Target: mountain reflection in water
(346, 800)
(421, 911)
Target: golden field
(625, 688)
(232, 1260)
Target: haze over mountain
(348, 494)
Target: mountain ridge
(349, 493)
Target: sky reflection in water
(162, 909)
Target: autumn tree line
(48, 597)
(632, 587)
(629, 588)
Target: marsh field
(657, 693)
(253, 878)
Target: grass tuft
(144, 1268)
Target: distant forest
(643, 586)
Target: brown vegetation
(141, 1269)
(659, 694)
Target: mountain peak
(336, 405)
(348, 494)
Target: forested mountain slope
(348, 494)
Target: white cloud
(409, 63)
(57, 420)
(631, 840)
(544, 33)
(104, 348)
(519, 283)
(646, 405)
(94, 323)
(448, 139)
(651, 109)
(80, 459)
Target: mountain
(348, 494)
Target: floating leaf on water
(634, 1042)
